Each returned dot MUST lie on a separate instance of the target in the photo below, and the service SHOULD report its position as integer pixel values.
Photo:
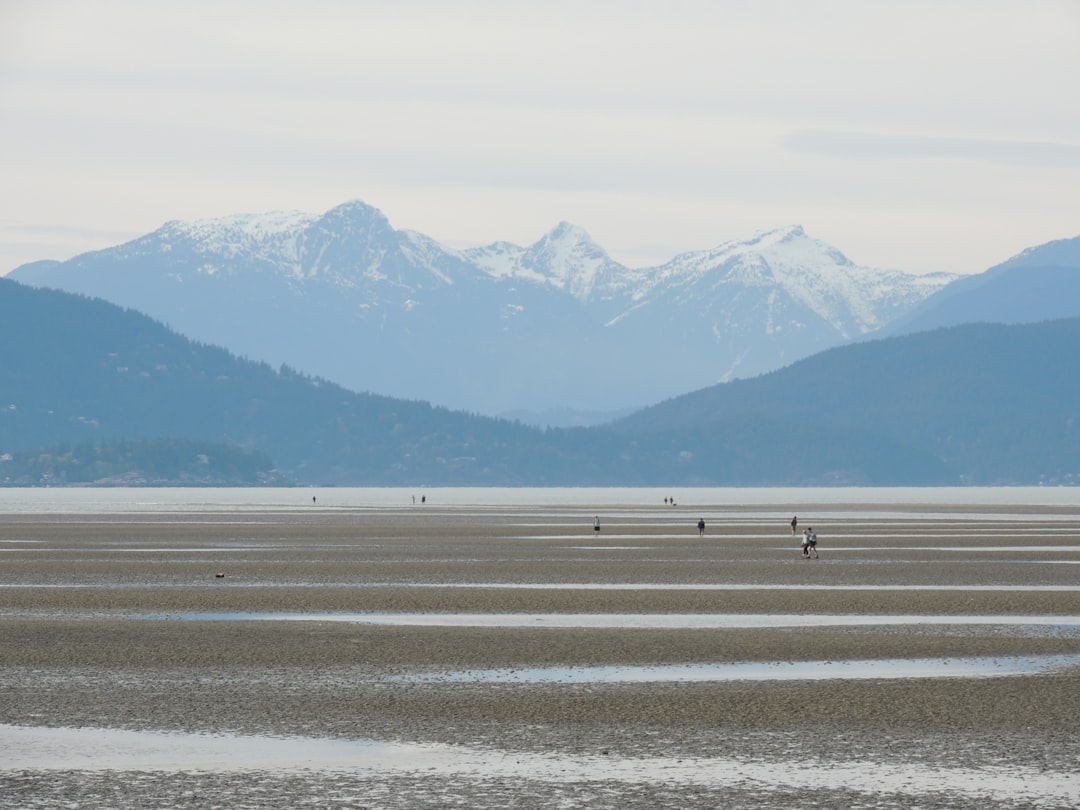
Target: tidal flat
(226, 652)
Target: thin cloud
(876, 146)
(917, 135)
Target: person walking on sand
(794, 525)
(811, 542)
(701, 527)
(806, 544)
(596, 525)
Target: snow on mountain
(566, 258)
(503, 260)
(425, 252)
(556, 324)
(270, 238)
(852, 299)
(569, 259)
(240, 233)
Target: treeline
(983, 404)
(138, 462)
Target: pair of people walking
(809, 543)
(700, 526)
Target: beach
(509, 655)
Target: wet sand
(100, 630)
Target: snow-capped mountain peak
(784, 233)
(346, 296)
(238, 235)
(852, 299)
(233, 234)
(777, 252)
(569, 259)
(565, 258)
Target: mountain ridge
(1039, 283)
(553, 325)
(987, 404)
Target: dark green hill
(979, 404)
(146, 462)
(992, 403)
(77, 369)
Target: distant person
(811, 542)
(596, 525)
(806, 543)
(423, 499)
(794, 525)
(313, 499)
(701, 527)
(665, 501)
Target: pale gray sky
(918, 135)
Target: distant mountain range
(989, 403)
(502, 329)
(1042, 283)
(87, 371)
(972, 404)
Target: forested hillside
(138, 463)
(89, 371)
(977, 404)
(994, 403)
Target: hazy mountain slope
(770, 301)
(554, 325)
(996, 403)
(1042, 283)
(90, 371)
(979, 404)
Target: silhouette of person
(794, 524)
(596, 525)
(701, 527)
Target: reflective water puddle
(95, 749)
(672, 621)
(895, 668)
(565, 586)
(719, 586)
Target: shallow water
(242, 499)
(937, 520)
(890, 669)
(669, 621)
(91, 749)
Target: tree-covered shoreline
(142, 462)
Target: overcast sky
(917, 136)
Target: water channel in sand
(873, 775)
(90, 749)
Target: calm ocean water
(171, 499)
